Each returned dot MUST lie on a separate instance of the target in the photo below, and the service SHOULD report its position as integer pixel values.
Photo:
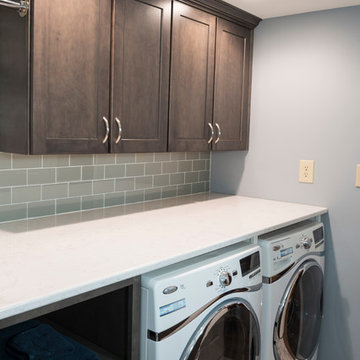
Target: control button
(306, 243)
(209, 283)
(235, 272)
(169, 290)
(224, 278)
(276, 247)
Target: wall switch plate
(306, 171)
(357, 184)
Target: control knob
(306, 243)
(224, 278)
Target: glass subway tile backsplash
(33, 186)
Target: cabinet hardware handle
(219, 133)
(212, 133)
(107, 127)
(120, 130)
(21, 6)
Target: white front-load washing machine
(293, 276)
(206, 308)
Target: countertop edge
(34, 303)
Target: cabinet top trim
(226, 11)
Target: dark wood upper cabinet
(141, 75)
(191, 79)
(207, 114)
(232, 85)
(98, 76)
(70, 75)
(57, 94)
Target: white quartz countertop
(41, 264)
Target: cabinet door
(70, 77)
(232, 85)
(141, 75)
(191, 80)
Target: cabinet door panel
(232, 85)
(141, 74)
(192, 72)
(71, 72)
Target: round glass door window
(230, 332)
(297, 326)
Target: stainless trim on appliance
(319, 243)
(120, 130)
(107, 128)
(219, 133)
(280, 324)
(272, 279)
(254, 274)
(211, 320)
(212, 133)
(280, 320)
(155, 336)
(22, 7)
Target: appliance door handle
(107, 128)
(118, 122)
(212, 133)
(285, 306)
(219, 133)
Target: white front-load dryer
(207, 308)
(293, 277)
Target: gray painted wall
(306, 105)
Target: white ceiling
(273, 8)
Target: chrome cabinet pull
(212, 133)
(21, 6)
(219, 133)
(107, 127)
(120, 130)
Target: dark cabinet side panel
(191, 80)
(141, 75)
(14, 70)
(232, 85)
(71, 72)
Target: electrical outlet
(306, 171)
(357, 184)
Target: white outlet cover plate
(306, 171)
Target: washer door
(297, 325)
(229, 332)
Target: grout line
(206, 183)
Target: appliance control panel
(282, 250)
(180, 290)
